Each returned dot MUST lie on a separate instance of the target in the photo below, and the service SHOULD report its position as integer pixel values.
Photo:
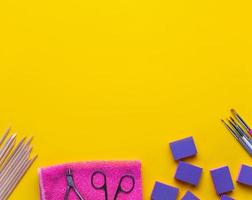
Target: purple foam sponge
(245, 175)
(162, 191)
(189, 196)
(222, 180)
(225, 197)
(188, 173)
(183, 148)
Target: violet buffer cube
(225, 197)
(183, 148)
(245, 175)
(162, 191)
(188, 173)
(189, 196)
(222, 180)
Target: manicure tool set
(97, 185)
(240, 130)
(15, 161)
(94, 180)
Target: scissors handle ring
(121, 189)
(92, 180)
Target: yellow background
(119, 79)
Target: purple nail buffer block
(188, 173)
(183, 148)
(245, 175)
(222, 180)
(164, 192)
(225, 197)
(189, 196)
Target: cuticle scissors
(120, 188)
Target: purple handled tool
(242, 122)
(239, 136)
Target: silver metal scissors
(120, 189)
(71, 185)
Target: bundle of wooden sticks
(14, 162)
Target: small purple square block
(164, 192)
(188, 173)
(245, 175)
(225, 197)
(189, 196)
(222, 180)
(183, 148)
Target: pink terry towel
(125, 175)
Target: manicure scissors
(120, 189)
(71, 185)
